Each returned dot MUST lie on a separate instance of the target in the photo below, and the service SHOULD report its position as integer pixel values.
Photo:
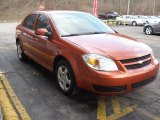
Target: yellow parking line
(116, 106)
(8, 110)
(101, 111)
(118, 112)
(17, 104)
(124, 112)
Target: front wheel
(149, 30)
(20, 52)
(134, 23)
(65, 78)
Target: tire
(119, 23)
(20, 53)
(149, 30)
(65, 78)
(134, 23)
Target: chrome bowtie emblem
(140, 62)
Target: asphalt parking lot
(37, 92)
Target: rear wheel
(20, 52)
(149, 30)
(65, 78)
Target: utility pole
(55, 4)
(120, 6)
(66, 4)
(18, 11)
(154, 6)
(128, 7)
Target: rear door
(27, 33)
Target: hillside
(13, 10)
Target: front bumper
(119, 82)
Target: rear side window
(29, 22)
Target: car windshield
(74, 24)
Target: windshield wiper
(71, 35)
(87, 33)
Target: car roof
(57, 12)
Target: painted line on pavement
(15, 101)
(124, 112)
(118, 112)
(101, 111)
(7, 108)
(116, 106)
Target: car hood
(116, 46)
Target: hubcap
(148, 30)
(19, 51)
(64, 78)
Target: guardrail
(114, 22)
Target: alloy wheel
(64, 78)
(148, 30)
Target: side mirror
(43, 32)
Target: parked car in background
(130, 20)
(109, 15)
(150, 20)
(151, 28)
(85, 53)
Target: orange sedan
(84, 53)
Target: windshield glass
(72, 24)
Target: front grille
(135, 59)
(110, 88)
(136, 63)
(142, 83)
(136, 66)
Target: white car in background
(130, 20)
(150, 19)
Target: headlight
(99, 62)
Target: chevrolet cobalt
(85, 53)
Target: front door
(42, 44)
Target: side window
(29, 22)
(43, 22)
